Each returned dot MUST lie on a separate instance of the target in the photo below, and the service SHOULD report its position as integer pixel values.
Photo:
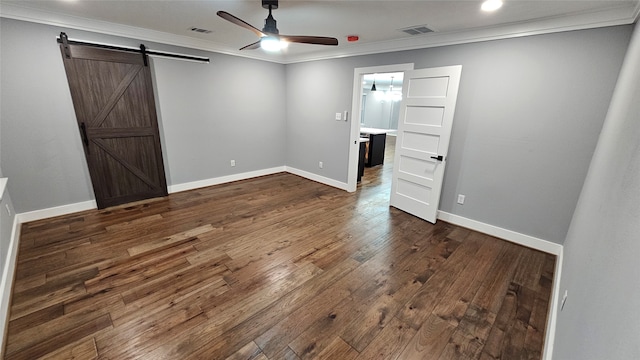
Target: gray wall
(232, 108)
(6, 221)
(528, 115)
(316, 91)
(527, 120)
(41, 149)
(600, 319)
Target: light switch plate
(338, 116)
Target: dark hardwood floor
(276, 267)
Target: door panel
(429, 87)
(425, 115)
(417, 167)
(115, 109)
(426, 118)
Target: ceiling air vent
(202, 31)
(417, 30)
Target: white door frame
(354, 146)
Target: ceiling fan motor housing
(270, 26)
(270, 3)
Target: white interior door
(426, 116)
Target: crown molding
(623, 15)
(580, 21)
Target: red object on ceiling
(353, 38)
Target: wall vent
(202, 31)
(417, 30)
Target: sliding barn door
(115, 108)
(426, 117)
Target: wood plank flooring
(276, 267)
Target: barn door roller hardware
(143, 51)
(65, 44)
(64, 40)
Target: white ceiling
(376, 22)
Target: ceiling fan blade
(316, 40)
(253, 46)
(225, 15)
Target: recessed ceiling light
(491, 5)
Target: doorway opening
(380, 107)
(375, 112)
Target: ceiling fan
(270, 38)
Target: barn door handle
(83, 132)
(439, 157)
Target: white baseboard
(56, 211)
(318, 178)
(91, 204)
(6, 285)
(549, 339)
(509, 235)
(223, 179)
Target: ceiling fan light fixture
(272, 44)
(491, 5)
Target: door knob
(439, 157)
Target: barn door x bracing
(115, 109)
(426, 116)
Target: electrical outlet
(233, 163)
(460, 199)
(564, 299)
(320, 164)
(8, 209)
